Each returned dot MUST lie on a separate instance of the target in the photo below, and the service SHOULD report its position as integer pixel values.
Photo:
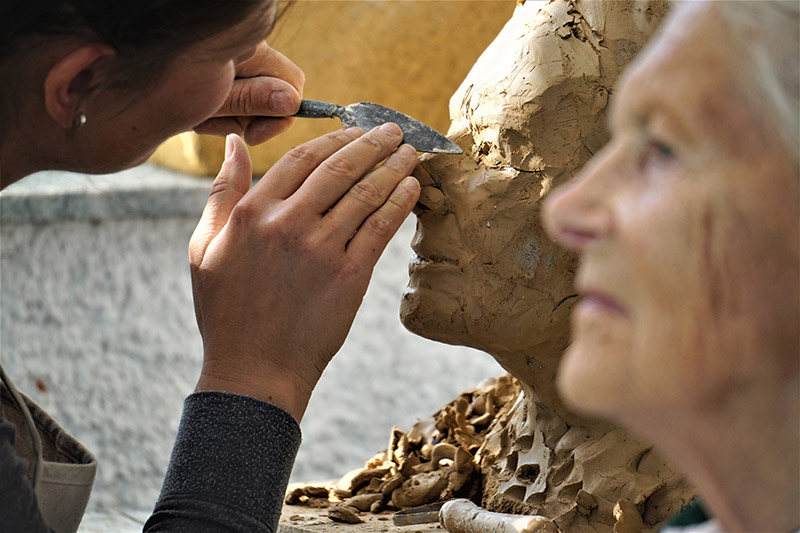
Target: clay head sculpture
(530, 113)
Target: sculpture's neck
(543, 399)
(536, 370)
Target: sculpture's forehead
(525, 59)
(537, 93)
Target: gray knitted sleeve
(229, 468)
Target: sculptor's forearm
(229, 468)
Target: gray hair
(766, 34)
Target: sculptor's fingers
(221, 126)
(285, 177)
(260, 96)
(336, 175)
(369, 194)
(266, 61)
(230, 185)
(368, 243)
(255, 130)
(268, 84)
(261, 129)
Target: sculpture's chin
(431, 316)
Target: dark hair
(151, 31)
(145, 34)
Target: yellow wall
(410, 55)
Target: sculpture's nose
(433, 169)
(437, 172)
(431, 197)
(425, 171)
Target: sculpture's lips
(419, 261)
(428, 205)
(428, 251)
(420, 209)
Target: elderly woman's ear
(72, 78)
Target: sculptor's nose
(577, 214)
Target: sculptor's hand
(279, 270)
(267, 89)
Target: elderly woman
(278, 270)
(688, 229)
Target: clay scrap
(435, 461)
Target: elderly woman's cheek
(731, 311)
(595, 373)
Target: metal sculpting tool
(366, 116)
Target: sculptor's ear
(71, 79)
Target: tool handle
(317, 109)
(463, 516)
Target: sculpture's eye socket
(503, 147)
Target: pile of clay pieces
(435, 461)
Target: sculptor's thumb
(230, 185)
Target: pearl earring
(81, 118)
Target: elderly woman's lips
(591, 302)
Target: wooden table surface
(301, 519)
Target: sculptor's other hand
(267, 89)
(279, 270)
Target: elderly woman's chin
(594, 375)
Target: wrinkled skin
(687, 226)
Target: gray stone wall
(97, 325)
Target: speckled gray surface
(143, 192)
(97, 325)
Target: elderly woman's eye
(656, 148)
(663, 150)
(657, 153)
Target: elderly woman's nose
(574, 215)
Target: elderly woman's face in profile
(687, 225)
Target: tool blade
(422, 137)
(424, 514)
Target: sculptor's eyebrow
(273, 13)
